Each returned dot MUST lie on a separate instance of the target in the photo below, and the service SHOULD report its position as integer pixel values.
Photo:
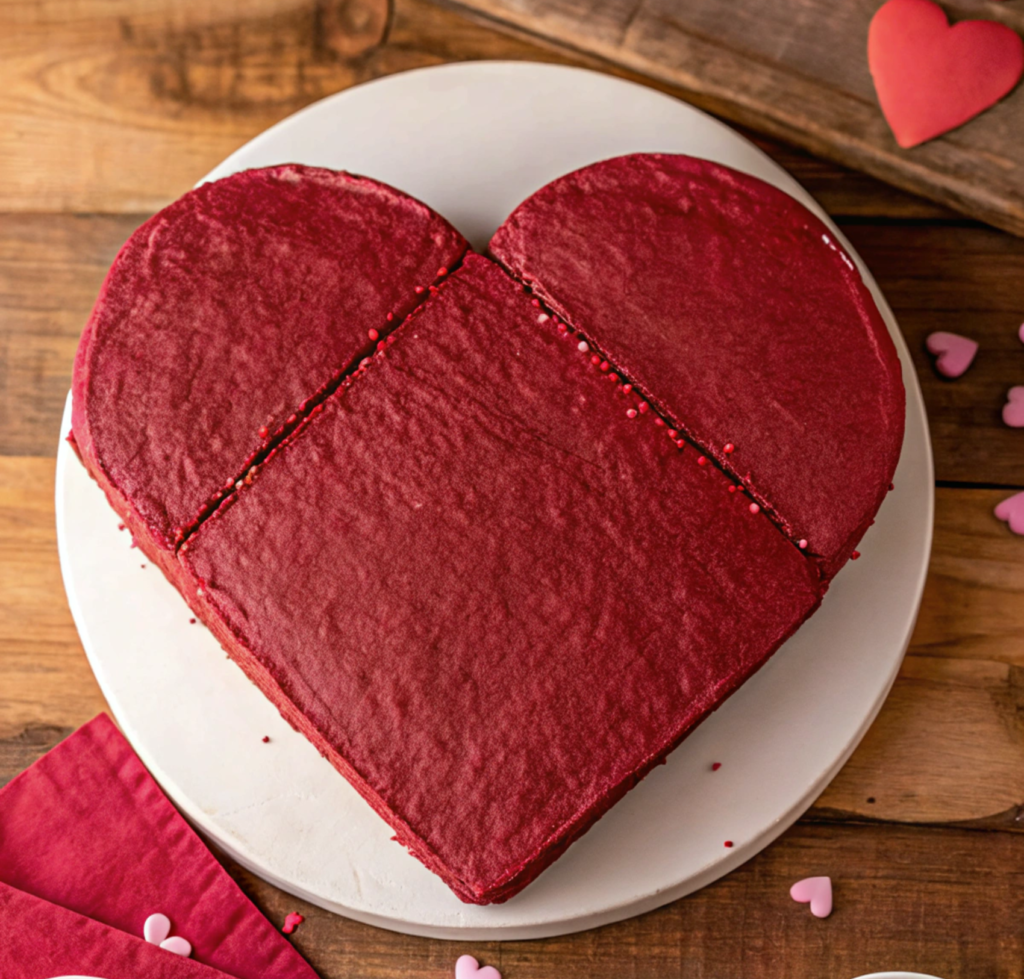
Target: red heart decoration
(497, 561)
(930, 77)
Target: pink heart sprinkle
(1012, 511)
(468, 968)
(156, 928)
(817, 891)
(954, 352)
(293, 919)
(177, 945)
(1020, 332)
(1013, 410)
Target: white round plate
(472, 140)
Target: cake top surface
(230, 308)
(732, 306)
(514, 596)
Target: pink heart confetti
(815, 890)
(1013, 410)
(954, 353)
(468, 968)
(156, 928)
(293, 919)
(177, 945)
(1012, 511)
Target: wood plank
(967, 280)
(936, 277)
(798, 73)
(948, 745)
(120, 107)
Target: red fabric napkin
(87, 829)
(39, 940)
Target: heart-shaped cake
(494, 533)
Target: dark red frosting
(744, 320)
(225, 312)
(495, 598)
(485, 573)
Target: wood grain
(797, 72)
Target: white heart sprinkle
(177, 945)
(156, 928)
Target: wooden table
(109, 110)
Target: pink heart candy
(817, 891)
(177, 945)
(954, 353)
(1012, 511)
(156, 928)
(468, 968)
(1013, 410)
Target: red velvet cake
(224, 314)
(515, 598)
(497, 570)
(735, 310)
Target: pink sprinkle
(802, 544)
(442, 272)
(855, 555)
(605, 365)
(263, 432)
(702, 460)
(535, 302)
(672, 433)
(754, 508)
(644, 407)
(729, 448)
(418, 290)
(595, 360)
(391, 316)
(266, 739)
(562, 328)
(583, 346)
(1020, 333)
(715, 766)
(680, 443)
(728, 843)
(381, 345)
(291, 421)
(732, 487)
(120, 526)
(660, 422)
(291, 922)
(631, 413)
(627, 388)
(373, 334)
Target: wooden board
(108, 109)
(796, 70)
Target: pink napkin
(88, 830)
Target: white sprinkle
(238, 485)
(583, 346)
(543, 318)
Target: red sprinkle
(391, 316)
(627, 388)
(263, 432)
(266, 738)
(715, 766)
(120, 526)
(631, 413)
(660, 422)
(855, 555)
(418, 290)
(191, 621)
(644, 407)
(291, 922)
(373, 334)
(442, 272)
(595, 359)
(605, 365)
(754, 508)
(681, 442)
(892, 486)
(380, 345)
(732, 487)
(729, 448)
(562, 328)
(672, 433)
(535, 302)
(702, 460)
(728, 843)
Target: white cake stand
(473, 140)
